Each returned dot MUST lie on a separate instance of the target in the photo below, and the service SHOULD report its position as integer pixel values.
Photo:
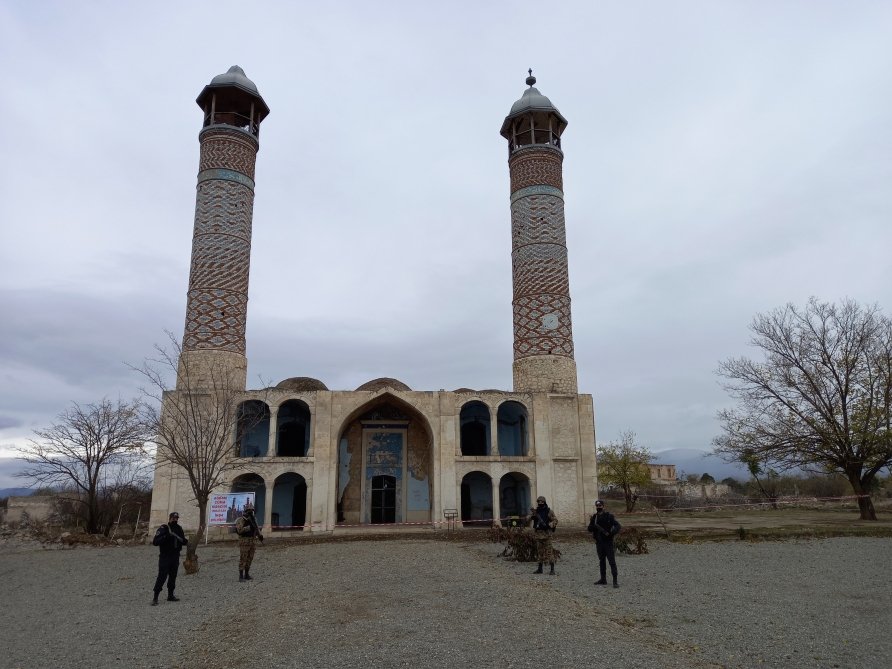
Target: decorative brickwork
(228, 148)
(540, 268)
(217, 307)
(535, 166)
(531, 338)
(537, 219)
(543, 332)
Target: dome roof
(235, 76)
(384, 382)
(532, 101)
(301, 383)
(464, 390)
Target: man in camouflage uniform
(247, 530)
(544, 523)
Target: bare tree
(86, 451)
(193, 425)
(822, 398)
(624, 463)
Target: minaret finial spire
(531, 79)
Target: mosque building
(384, 453)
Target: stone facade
(662, 474)
(557, 459)
(385, 454)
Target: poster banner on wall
(226, 507)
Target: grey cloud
(714, 168)
(9, 421)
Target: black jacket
(170, 539)
(604, 526)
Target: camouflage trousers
(246, 550)
(544, 549)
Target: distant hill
(15, 492)
(695, 461)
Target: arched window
(252, 432)
(293, 430)
(512, 419)
(475, 429)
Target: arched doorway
(514, 495)
(384, 465)
(289, 502)
(476, 499)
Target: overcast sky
(722, 159)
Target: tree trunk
(92, 514)
(865, 503)
(190, 564)
(630, 499)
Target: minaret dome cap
(532, 101)
(234, 78)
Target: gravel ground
(823, 603)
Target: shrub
(631, 541)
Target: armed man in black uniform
(170, 540)
(604, 526)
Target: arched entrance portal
(384, 465)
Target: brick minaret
(217, 303)
(543, 335)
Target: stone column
(494, 431)
(272, 446)
(268, 511)
(496, 502)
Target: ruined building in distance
(319, 459)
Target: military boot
(552, 568)
(539, 570)
(241, 576)
(248, 576)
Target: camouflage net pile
(520, 545)
(630, 541)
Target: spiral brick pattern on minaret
(217, 307)
(543, 332)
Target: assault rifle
(255, 531)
